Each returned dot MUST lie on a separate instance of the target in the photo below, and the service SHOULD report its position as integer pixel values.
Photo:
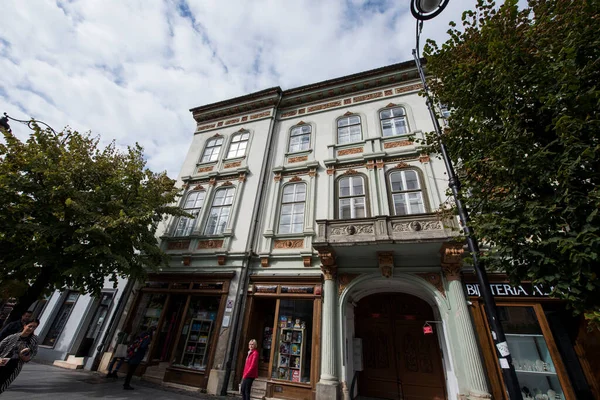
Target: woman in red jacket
(250, 370)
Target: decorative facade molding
(354, 150)
(424, 158)
(221, 260)
(307, 261)
(232, 121)
(347, 101)
(435, 279)
(416, 86)
(212, 181)
(295, 178)
(210, 244)
(344, 280)
(277, 176)
(260, 115)
(178, 245)
(350, 171)
(379, 164)
(264, 262)
(198, 187)
(324, 106)
(330, 170)
(312, 172)
(289, 114)
(388, 92)
(297, 159)
(205, 127)
(187, 260)
(348, 113)
(347, 230)
(386, 263)
(452, 254)
(416, 226)
(205, 169)
(370, 164)
(242, 177)
(328, 266)
(402, 164)
(226, 183)
(288, 244)
(397, 143)
(232, 164)
(366, 97)
(391, 105)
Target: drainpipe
(112, 326)
(257, 213)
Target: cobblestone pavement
(39, 381)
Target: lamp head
(427, 9)
(4, 123)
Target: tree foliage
(523, 86)
(73, 214)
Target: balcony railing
(385, 229)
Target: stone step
(76, 360)
(67, 365)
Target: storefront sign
(208, 285)
(265, 289)
(427, 330)
(298, 289)
(506, 290)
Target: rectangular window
(219, 212)
(212, 150)
(393, 122)
(193, 205)
(238, 145)
(406, 193)
(352, 199)
(60, 321)
(300, 138)
(349, 129)
(291, 219)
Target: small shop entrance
(399, 360)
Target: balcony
(405, 229)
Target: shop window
(294, 340)
(196, 336)
(407, 196)
(193, 205)
(300, 138)
(349, 129)
(212, 150)
(532, 359)
(238, 145)
(291, 219)
(219, 211)
(61, 319)
(148, 312)
(351, 197)
(393, 121)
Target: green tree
(73, 214)
(523, 87)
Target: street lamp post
(424, 10)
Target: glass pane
(229, 196)
(400, 126)
(148, 312)
(398, 111)
(355, 133)
(399, 204)
(416, 203)
(359, 207)
(396, 181)
(294, 341)
(343, 135)
(385, 114)
(532, 360)
(412, 182)
(300, 192)
(344, 187)
(195, 338)
(357, 186)
(387, 128)
(345, 208)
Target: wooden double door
(399, 360)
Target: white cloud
(130, 70)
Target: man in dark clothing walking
(135, 354)
(16, 326)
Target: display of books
(195, 348)
(291, 351)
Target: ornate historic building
(318, 229)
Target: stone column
(476, 382)
(327, 388)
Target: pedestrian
(250, 370)
(16, 350)
(16, 326)
(135, 354)
(119, 356)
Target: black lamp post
(424, 10)
(30, 124)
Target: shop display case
(291, 354)
(195, 350)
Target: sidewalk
(39, 381)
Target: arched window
(219, 211)
(407, 196)
(393, 121)
(300, 138)
(351, 197)
(193, 205)
(212, 149)
(291, 219)
(349, 129)
(238, 145)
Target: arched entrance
(399, 360)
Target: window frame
(293, 202)
(365, 195)
(392, 118)
(221, 207)
(406, 192)
(208, 146)
(338, 127)
(232, 142)
(309, 134)
(192, 210)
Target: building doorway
(399, 360)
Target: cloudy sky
(129, 70)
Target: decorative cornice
(210, 244)
(295, 178)
(350, 172)
(226, 183)
(397, 143)
(354, 150)
(205, 169)
(402, 164)
(289, 244)
(292, 160)
(233, 164)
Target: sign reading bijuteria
(506, 290)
